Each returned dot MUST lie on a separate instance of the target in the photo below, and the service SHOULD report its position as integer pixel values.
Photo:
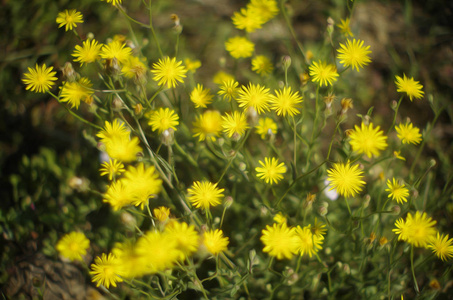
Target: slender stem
(347, 204)
(291, 30)
(152, 30)
(295, 145)
(395, 115)
(417, 290)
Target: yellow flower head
(114, 2)
(280, 218)
(123, 149)
(412, 88)
(168, 72)
(130, 263)
(344, 27)
(40, 79)
(87, 53)
(69, 19)
(204, 194)
(192, 65)
(73, 246)
(76, 91)
(235, 124)
(163, 119)
(186, 237)
(221, 77)
(262, 65)
(286, 102)
(239, 47)
(266, 9)
(346, 179)
(134, 67)
(116, 50)
(368, 140)
(307, 242)
(270, 171)
(208, 125)
(143, 182)
(416, 230)
(161, 213)
(279, 241)
(408, 134)
(322, 73)
(118, 195)
(116, 129)
(397, 191)
(442, 246)
(265, 127)
(105, 270)
(248, 20)
(112, 168)
(255, 96)
(229, 89)
(215, 242)
(354, 54)
(201, 97)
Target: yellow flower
(105, 270)
(208, 125)
(163, 119)
(344, 27)
(76, 91)
(279, 241)
(354, 54)
(248, 20)
(280, 218)
(266, 126)
(239, 47)
(397, 191)
(204, 194)
(134, 67)
(88, 52)
(346, 179)
(129, 262)
(442, 246)
(40, 79)
(186, 237)
(397, 154)
(215, 242)
(113, 130)
(118, 195)
(285, 102)
(266, 9)
(307, 242)
(368, 140)
(416, 230)
(235, 124)
(143, 182)
(221, 77)
(262, 65)
(322, 73)
(168, 72)
(192, 65)
(69, 19)
(270, 171)
(229, 89)
(318, 229)
(124, 149)
(255, 96)
(73, 246)
(408, 134)
(114, 2)
(161, 213)
(412, 88)
(116, 50)
(200, 96)
(112, 168)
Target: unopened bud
(347, 269)
(242, 166)
(323, 209)
(286, 61)
(434, 284)
(228, 202)
(382, 241)
(330, 25)
(117, 103)
(346, 104)
(366, 201)
(432, 163)
(69, 73)
(396, 210)
(90, 36)
(128, 219)
(138, 108)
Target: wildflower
(323, 73)
(168, 72)
(186, 237)
(144, 183)
(345, 179)
(368, 140)
(442, 246)
(134, 67)
(234, 124)
(271, 171)
(318, 229)
(192, 65)
(88, 52)
(123, 149)
(255, 96)
(279, 241)
(408, 134)
(221, 77)
(73, 245)
(215, 242)
(76, 91)
(204, 194)
(112, 168)
(163, 119)
(266, 9)
(229, 89)
(262, 65)
(69, 19)
(200, 96)
(397, 191)
(116, 129)
(416, 230)
(412, 88)
(129, 262)
(161, 213)
(280, 218)
(116, 50)
(354, 54)
(397, 154)
(208, 125)
(239, 47)
(344, 27)
(105, 270)
(159, 251)
(118, 194)
(266, 126)
(307, 242)
(114, 2)
(247, 20)
(285, 102)
(40, 79)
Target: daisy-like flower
(76, 91)
(262, 65)
(169, 72)
(118, 195)
(105, 270)
(322, 73)
(40, 79)
(408, 134)
(307, 242)
(208, 125)
(416, 230)
(116, 129)
(134, 67)
(161, 213)
(124, 149)
(239, 47)
(255, 96)
(279, 241)
(200, 96)
(87, 53)
(192, 65)
(186, 237)
(318, 229)
(286, 102)
(265, 127)
(163, 119)
(354, 54)
(130, 263)
(248, 20)
(344, 27)
(397, 191)
(114, 2)
(235, 124)
(266, 9)
(270, 171)
(280, 218)
(229, 89)
(412, 88)
(116, 50)
(345, 179)
(215, 242)
(204, 194)
(221, 77)
(143, 182)
(368, 140)
(73, 246)
(112, 168)
(69, 19)
(442, 246)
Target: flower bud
(323, 209)
(366, 201)
(228, 202)
(286, 62)
(138, 109)
(396, 210)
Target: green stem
(417, 290)
(395, 115)
(291, 30)
(347, 204)
(152, 30)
